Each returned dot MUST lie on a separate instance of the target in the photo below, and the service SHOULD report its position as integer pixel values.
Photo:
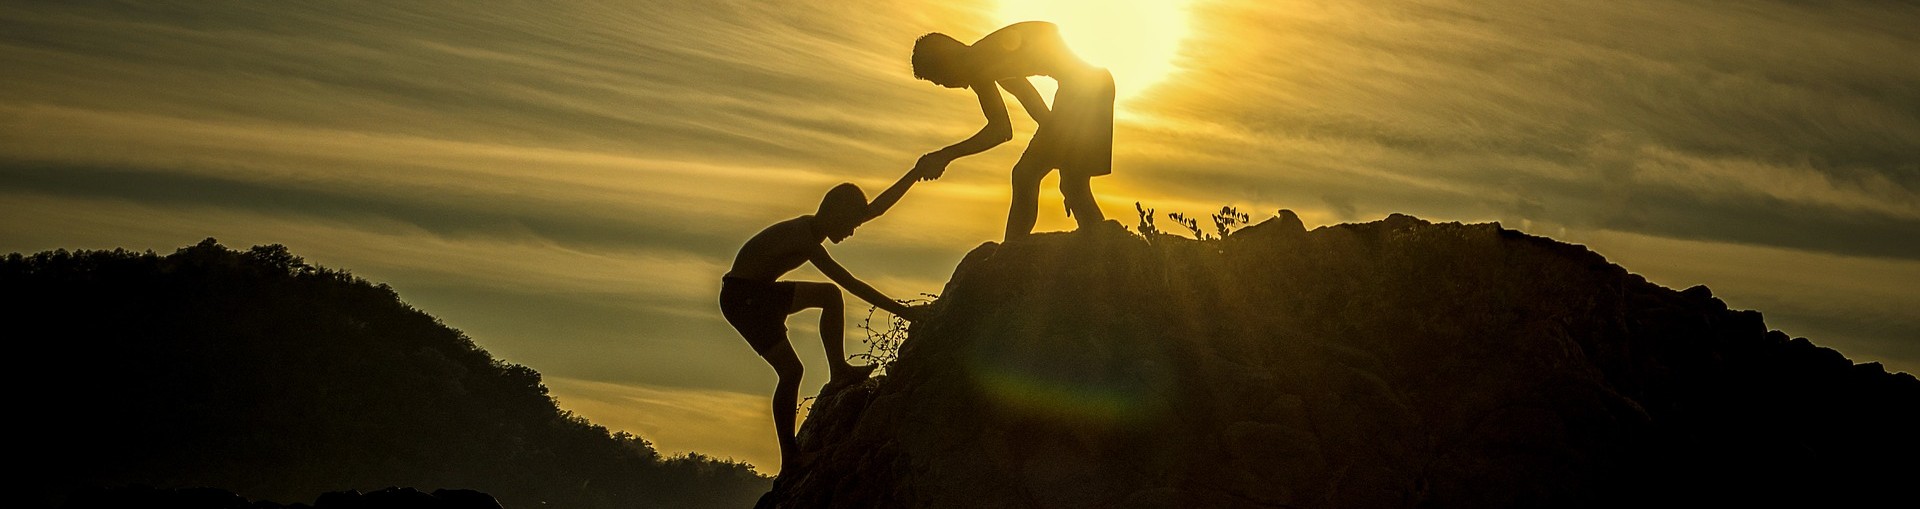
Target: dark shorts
(758, 309)
(1078, 138)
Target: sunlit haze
(1137, 40)
(567, 181)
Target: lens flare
(1035, 376)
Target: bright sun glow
(1136, 39)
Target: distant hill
(1397, 363)
(255, 372)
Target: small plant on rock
(1191, 224)
(1229, 218)
(1146, 227)
(884, 338)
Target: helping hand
(931, 166)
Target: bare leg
(826, 296)
(1078, 191)
(786, 401)
(1024, 210)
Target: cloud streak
(565, 180)
(1583, 107)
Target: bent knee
(789, 372)
(1030, 173)
(1075, 182)
(828, 291)
(816, 295)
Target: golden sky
(566, 181)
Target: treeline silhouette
(257, 372)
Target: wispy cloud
(1580, 107)
(564, 180)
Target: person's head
(941, 60)
(843, 209)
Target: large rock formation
(1390, 364)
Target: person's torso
(774, 252)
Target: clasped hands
(931, 166)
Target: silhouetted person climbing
(1076, 136)
(757, 303)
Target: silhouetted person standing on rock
(757, 303)
(1076, 136)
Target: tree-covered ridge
(258, 372)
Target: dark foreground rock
(209, 498)
(1390, 364)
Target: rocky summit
(1397, 363)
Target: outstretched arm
(999, 129)
(887, 198)
(860, 289)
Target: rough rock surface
(1397, 363)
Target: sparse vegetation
(1228, 219)
(1146, 227)
(1191, 224)
(883, 341)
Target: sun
(1135, 39)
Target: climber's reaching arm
(892, 195)
(859, 288)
